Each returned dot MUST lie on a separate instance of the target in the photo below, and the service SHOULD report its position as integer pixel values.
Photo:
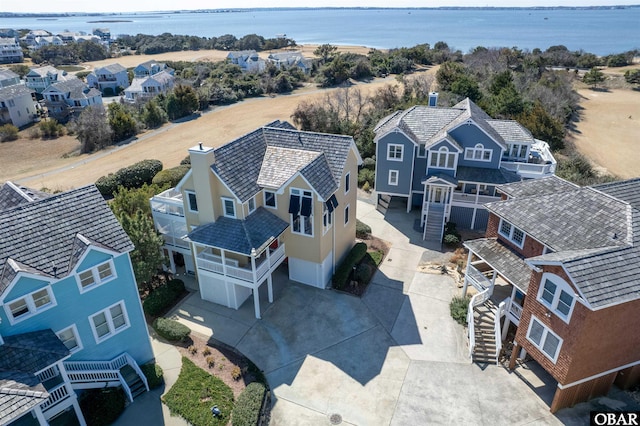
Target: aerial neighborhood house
(70, 313)
(112, 78)
(448, 162)
(66, 98)
(149, 68)
(17, 106)
(291, 59)
(247, 60)
(103, 33)
(8, 78)
(567, 258)
(147, 87)
(38, 79)
(10, 51)
(274, 195)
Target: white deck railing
(496, 329)
(48, 374)
(57, 394)
(476, 300)
(213, 263)
(175, 241)
(477, 199)
(477, 279)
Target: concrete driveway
(393, 357)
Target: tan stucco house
(275, 195)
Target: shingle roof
(570, 220)
(41, 234)
(6, 74)
(280, 164)
(21, 356)
(536, 187)
(43, 71)
(112, 68)
(429, 125)
(241, 236)
(75, 87)
(489, 176)
(239, 163)
(511, 131)
(12, 195)
(12, 92)
(627, 190)
(503, 259)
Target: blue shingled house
(448, 161)
(70, 314)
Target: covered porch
(234, 258)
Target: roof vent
(200, 145)
(615, 236)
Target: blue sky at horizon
(48, 6)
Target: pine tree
(593, 77)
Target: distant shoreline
(227, 10)
(110, 21)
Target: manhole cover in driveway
(335, 419)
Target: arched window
(478, 153)
(443, 159)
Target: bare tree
(92, 129)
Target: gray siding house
(448, 161)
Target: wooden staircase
(434, 223)
(133, 380)
(486, 349)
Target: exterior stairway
(434, 225)
(485, 350)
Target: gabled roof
(6, 74)
(42, 234)
(21, 356)
(241, 236)
(429, 125)
(74, 87)
(504, 259)
(511, 131)
(43, 71)
(536, 187)
(627, 190)
(111, 68)
(13, 92)
(239, 163)
(12, 195)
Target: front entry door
(437, 195)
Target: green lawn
(70, 68)
(195, 392)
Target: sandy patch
(608, 132)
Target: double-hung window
(270, 199)
(394, 152)
(510, 232)
(96, 276)
(251, 204)
(228, 207)
(544, 339)
(478, 153)
(556, 295)
(393, 177)
(30, 304)
(109, 322)
(71, 339)
(347, 183)
(346, 215)
(192, 202)
(301, 212)
(327, 219)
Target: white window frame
(76, 336)
(442, 155)
(224, 207)
(32, 309)
(422, 151)
(545, 333)
(393, 177)
(188, 194)
(275, 199)
(346, 215)
(97, 280)
(112, 331)
(251, 204)
(395, 152)
(302, 193)
(478, 153)
(561, 286)
(347, 183)
(512, 231)
(327, 219)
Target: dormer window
(30, 304)
(443, 159)
(96, 276)
(478, 153)
(557, 296)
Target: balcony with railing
(477, 198)
(266, 263)
(168, 202)
(539, 163)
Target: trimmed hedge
(171, 177)
(248, 405)
(363, 231)
(101, 407)
(133, 176)
(163, 297)
(171, 330)
(344, 270)
(153, 373)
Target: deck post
(514, 356)
(466, 273)
(256, 301)
(270, 288)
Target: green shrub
(451, 239)
(171, 330)
(101, 407)
(186, 161)
(82, 75)
(163, 297)
(451, 235)
(153, 373)
(195, 392)
(376, 256)
(363, 273)
(248, 405)
(107, 185)
(170, 177)
(369, 163)
(366, 187)
(363, 231)
(8, 132)
(458, 307)
(366, 175)
(137, 174)
(51, 128)
(344, 270)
